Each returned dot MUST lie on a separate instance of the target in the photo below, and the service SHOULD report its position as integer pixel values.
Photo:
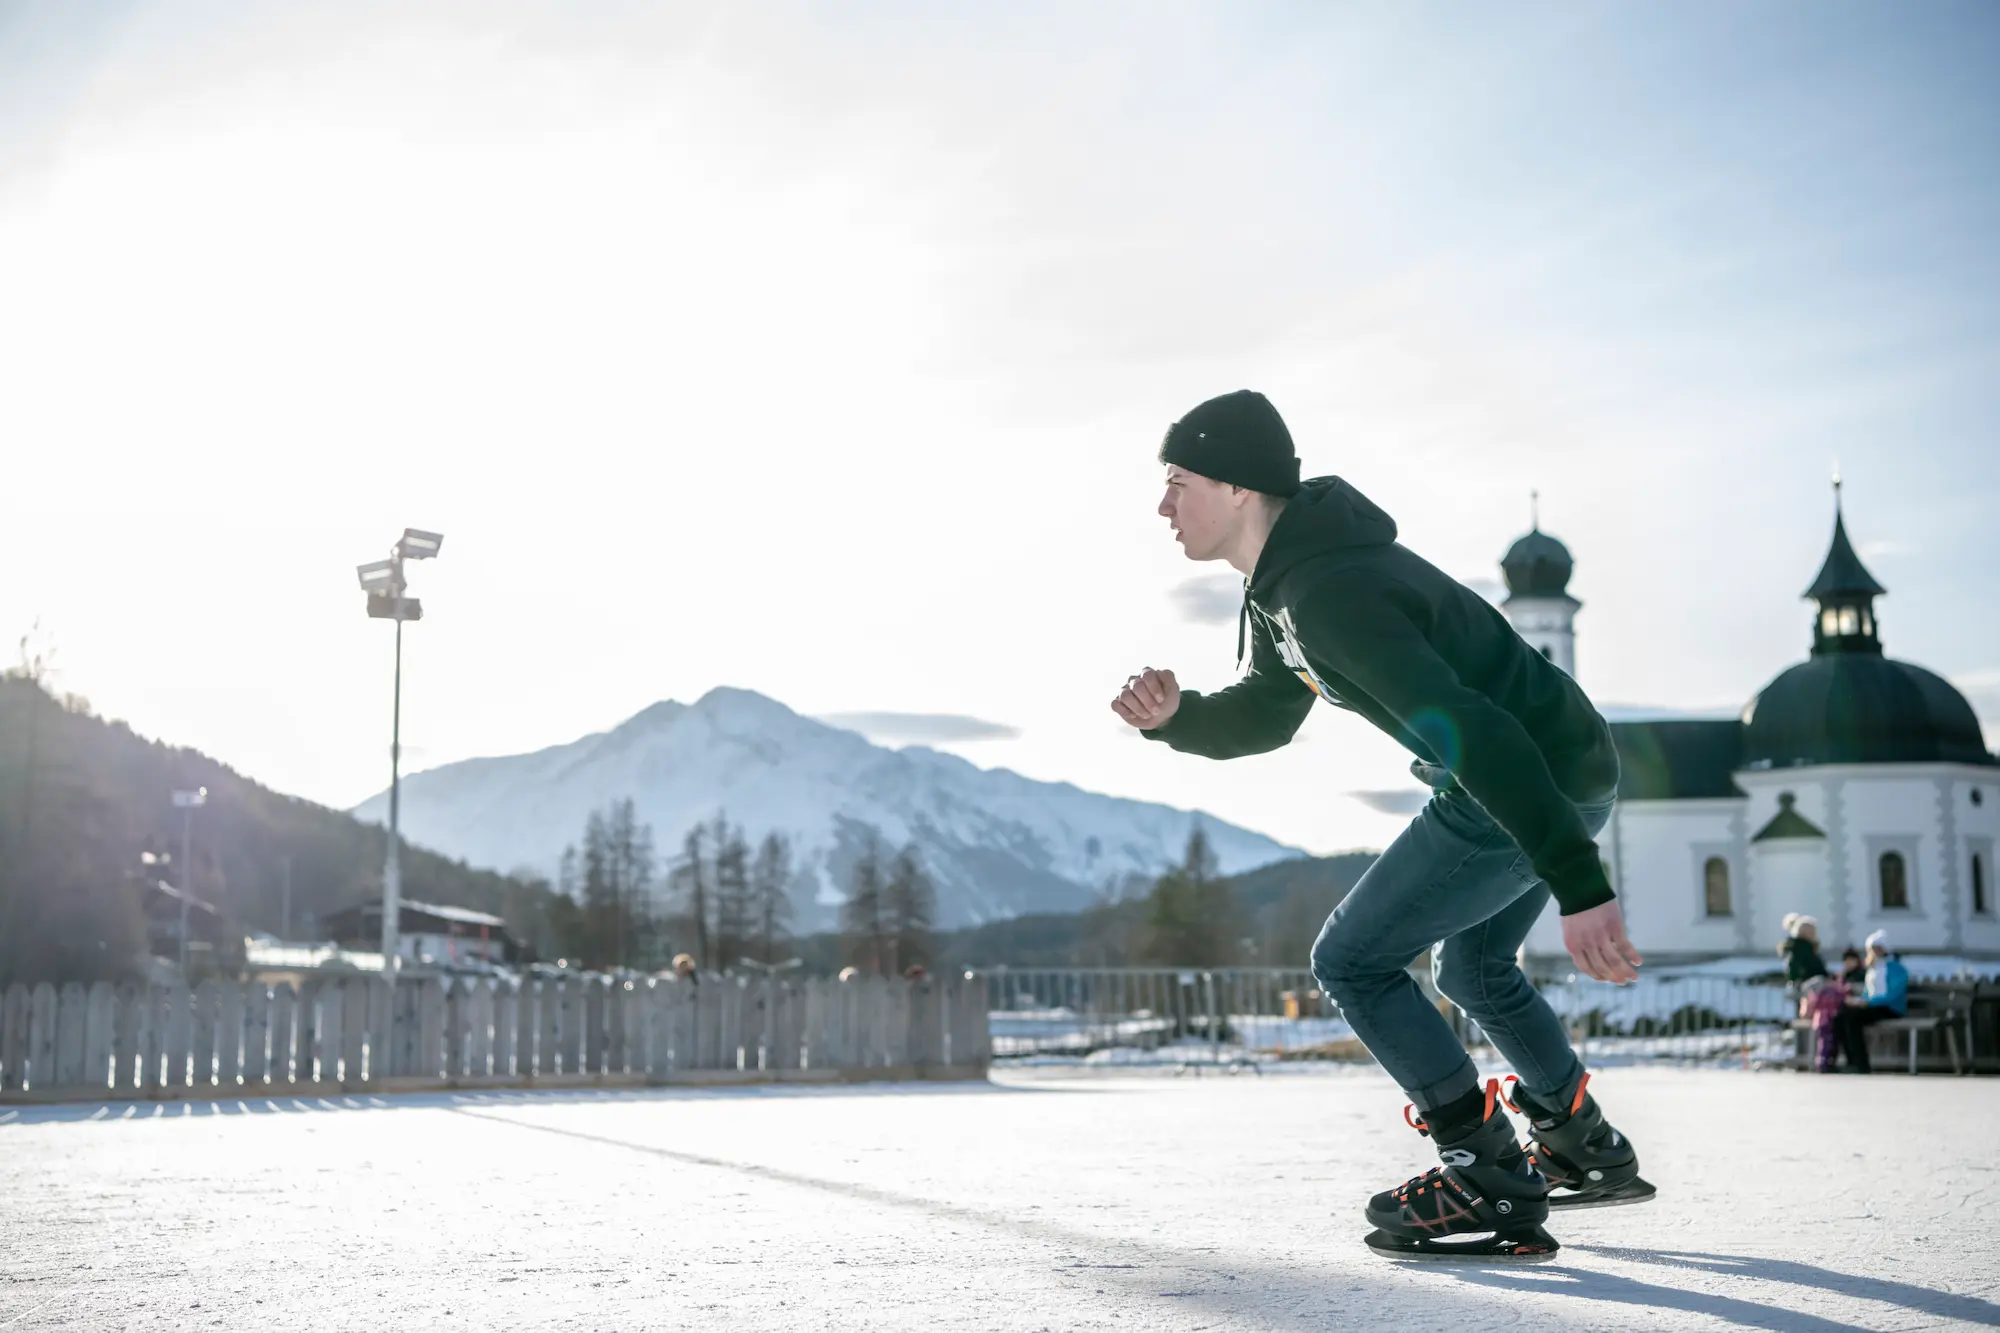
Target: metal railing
(1169, 1014)
(1179, 1015)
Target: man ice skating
(1523, 775)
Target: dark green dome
(1537, 566)
(1860, 708)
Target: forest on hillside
(1188, 917)
(82, 798)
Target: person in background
(1800, 949)
(685, 968)
(1823, 1002)
(1886, 996)
(1853, 972)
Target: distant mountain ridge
(997, 844)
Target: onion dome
(1849, 704)
(1860, 708)
(1537, 565)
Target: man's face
(1205, 512)
(1876, 953)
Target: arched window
(1895, 881)
(1715, 886)
(1979, 903)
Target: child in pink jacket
(1822, 1001)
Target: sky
(825, 351)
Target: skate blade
(1635, 1190)
(1523, 1247)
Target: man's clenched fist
(1148, 699)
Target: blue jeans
(1456, 880)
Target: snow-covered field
(1053, 1199)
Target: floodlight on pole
(383, 581)
(416, 544)
(187, 802)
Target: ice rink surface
(1047, 1200)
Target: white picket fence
(351, 1034)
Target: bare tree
(692, 879)
(734, 914)
(909, 906)
(770, 896)
(863, 919)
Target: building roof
(465, 916)
(1677, 759)
(462, 916)
(1787, 823)
(1842, 575)
(1860, 708)
(1537, 566)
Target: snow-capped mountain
(996, 844)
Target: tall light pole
(187, 802)
(383, 581)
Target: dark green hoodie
(1339, 609)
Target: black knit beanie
(1238, 438)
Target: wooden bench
(1931, 1009)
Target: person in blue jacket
(1885, 995)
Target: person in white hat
(1886, 995)
(1800, 949)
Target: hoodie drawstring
(1242, 624)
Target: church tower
(1537, 570)
(1846, 594)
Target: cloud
(921, 728)
(1398, 801)
(1884, 549)
(1213, 599)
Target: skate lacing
(1449, 1201)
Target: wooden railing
(350, 1034)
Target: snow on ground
(1052, 1199)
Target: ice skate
(1487, 1202)
(1587, 1163)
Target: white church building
(1853, 787)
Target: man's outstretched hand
(1596, 939)
(1148, 699)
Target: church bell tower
(1537, 570)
